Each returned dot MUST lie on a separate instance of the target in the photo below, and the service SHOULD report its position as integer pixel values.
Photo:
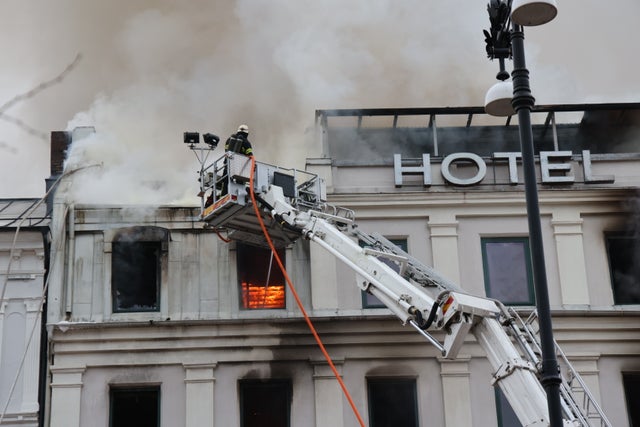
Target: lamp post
(507, 40)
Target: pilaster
(328, 394)
(66, 390)
(587, 367)
(200, 387)
(324, 283)
(444, 245)
(31, 362)
(567, 231)
(455, 387)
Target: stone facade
(23, 246)
(197, 344)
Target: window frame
(528, 267)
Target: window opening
(265, 403)
(506, 416)
(134, 407)
(262, 283)
(631, 382)
(623, 251)
(507, 269)
(135, 276)
(136, 265)
(392, 402)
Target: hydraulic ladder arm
(415, 293)
(455, 313)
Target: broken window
(507, 270)
(136, 260)
(392, 402)
(265, 403)
(624, 251)
(262, 283)
(134, 407)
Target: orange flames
(260, 296)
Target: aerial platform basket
(226, 200)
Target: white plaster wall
(611, 387)
(22, 282)
(94, 403)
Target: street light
(530, 13)
(192, 139)
(506, 40)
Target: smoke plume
(154, 69)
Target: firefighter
(236, 143)
(239, 142)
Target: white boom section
(460, 313)
(294, 205)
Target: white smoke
(268, 64)
(154, 69)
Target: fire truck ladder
(232, 211)
(411, 269)
(578, 403)
(575, 394)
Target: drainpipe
(43, 381)
(69, 264)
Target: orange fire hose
(298, 301)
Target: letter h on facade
(424, 169)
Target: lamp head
(530, 13)
(497, 102)
(211, 139)
(191, 138)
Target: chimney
(60, 141)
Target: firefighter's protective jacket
(239, 143)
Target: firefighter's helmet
(243, 128)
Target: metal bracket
(510, 367)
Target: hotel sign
(555, 168)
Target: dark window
(136, 261)
(631, 381)
(135, 276)
(370, 301)
(261, 281)
(265, 403)
(506, 416)
(507, 270)
(392, 402)
(134, 407)
(624, 252)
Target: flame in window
(260, 296)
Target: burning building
(154, 320)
